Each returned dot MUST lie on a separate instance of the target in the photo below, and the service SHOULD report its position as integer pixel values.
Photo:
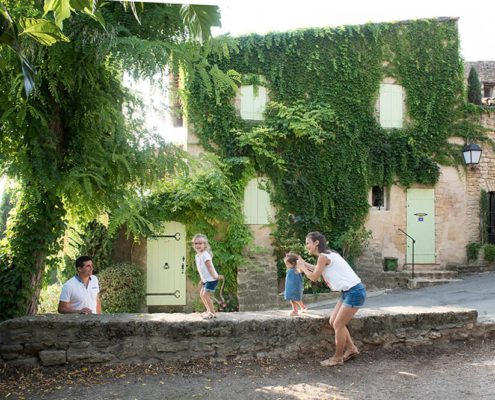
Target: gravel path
(459, 371)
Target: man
(80, 293)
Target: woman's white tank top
(338, 275)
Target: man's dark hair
(81, 260)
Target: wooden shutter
(391, 106)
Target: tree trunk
(36, 283)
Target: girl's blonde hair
(205, 241)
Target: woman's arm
(311, 271)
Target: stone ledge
(146, 338)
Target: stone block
(78, 356)
(25, 362)
(10, 348)
(53, 357)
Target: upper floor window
(391, 105)
(252, 102)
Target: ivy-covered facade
(340, 156)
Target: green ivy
(320, 142)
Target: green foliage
(352, 242)
(489, 251)
(473, 249)
(122, 288)
(207, 202)
(49, 298)
(92, 239)
(320, 142)
(76, 146)
(6, 204)
(474, 87)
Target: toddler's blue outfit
(293, 285)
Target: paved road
(474, 291)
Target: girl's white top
(201, 259)
(338, 275)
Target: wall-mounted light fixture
(472, 154)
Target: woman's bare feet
(350, 353)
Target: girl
(293, 284)
(339, 276)
(207, 272)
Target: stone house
(486, 75)
(420, 226)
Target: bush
(473, 250)
(489, 252)
(49, 298)
(122, 288)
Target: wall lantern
(472, 154)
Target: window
(488, 90)
(257, 207)
(391, 105)
(380, 198)
(252, 102)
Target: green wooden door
(166, 266)
(421, 225)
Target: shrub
(49, 298)
(122, 288)
(489, 252)
(473, 250)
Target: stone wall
(170, 338)
(257, 283)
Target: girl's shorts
(354, 297)
(211, 286)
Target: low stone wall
(146, 338)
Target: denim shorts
(354, 297)
(211, 286)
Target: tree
(198, 19)
(69, 144)
(474, 87)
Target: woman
(339, 276)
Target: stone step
(418, 283)
(435, 274)
(421, 267)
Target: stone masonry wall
(171, 338)
(257, 284)
(480, 177)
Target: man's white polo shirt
(78, 295)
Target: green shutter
(257, 207)
(391, 106)
(253, 106)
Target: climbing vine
(320, 142)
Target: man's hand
(85, 310)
